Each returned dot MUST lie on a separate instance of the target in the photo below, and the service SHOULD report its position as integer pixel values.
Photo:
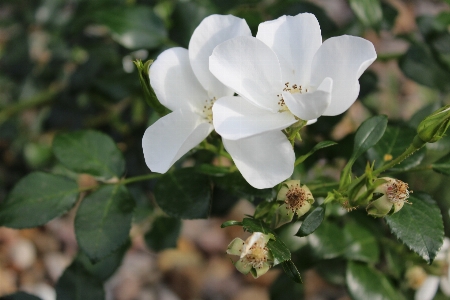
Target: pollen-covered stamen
(296, 197)
(256, 256)
(207, 109)
(397, 191)
(293, 89)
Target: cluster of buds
(395, 195)
(297, 200)
(254, 256)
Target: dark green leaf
(419, 65)
(89, 152)
(279, 250)
(36, 199)
(237, 185)
(103, 221)
(211, 170)
(184, 194)
(442, 165)
(393, 143)
(104, 268)
(363, 282)
(368, 134)
(332, 270)
(77, 283)
(20, 296)
(361, 244)
(367, 11)
(291, 270)
(321, 145)
(133, 27)
(311, 222)
(327, 241)
(419, 226)
(163, 234)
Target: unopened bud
(395, 194)
(433, 127)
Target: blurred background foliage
(67, 65)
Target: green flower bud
(254, 256)
(433, 127)
(395, 195)
(297, 200)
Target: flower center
(397, 191)
(293, 89)
(207, 109)
(296, 197)
(256, 256)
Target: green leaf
(134, 27)
(367, 11)
(77, 283)
(282, 288)
(184, 194)
(211, 170)
(363, 282)
(149, 93)
(20, 296)
(419, 226)
(36, 199)
(368, 134)
(393, 143)
(419, 65)
(237, 185)
(361, 243)
(106, 267)
(291, 270)
(89, 152)
(279, 250)
(163, 234)
(327, 241)
(321, 145)
(311, 222)
(103, 221)
(442, 165)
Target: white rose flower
(286, 74)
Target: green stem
(410, 150)
(37, 100)
(139, 178)
(416, 169)
(389, 56)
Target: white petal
(344, 59)
(212, 31)
(310, 106)
(250, 68)
(174, 83)
(295, 40)
(171, 137)
(235, 118)
(445, 285)
(263, 160)
(428, 289)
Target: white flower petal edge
(174, 83)
(211, 32)
(295, 40)
(250, 68)
(171, 137)
(344, 59)
(236, 118)
(311, 105)
(264, 160)
(428, 289)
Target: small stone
(22, 254)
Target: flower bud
(395, 194)
(433, 127)
(254, 256)
(415, 276)
(297, 200)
